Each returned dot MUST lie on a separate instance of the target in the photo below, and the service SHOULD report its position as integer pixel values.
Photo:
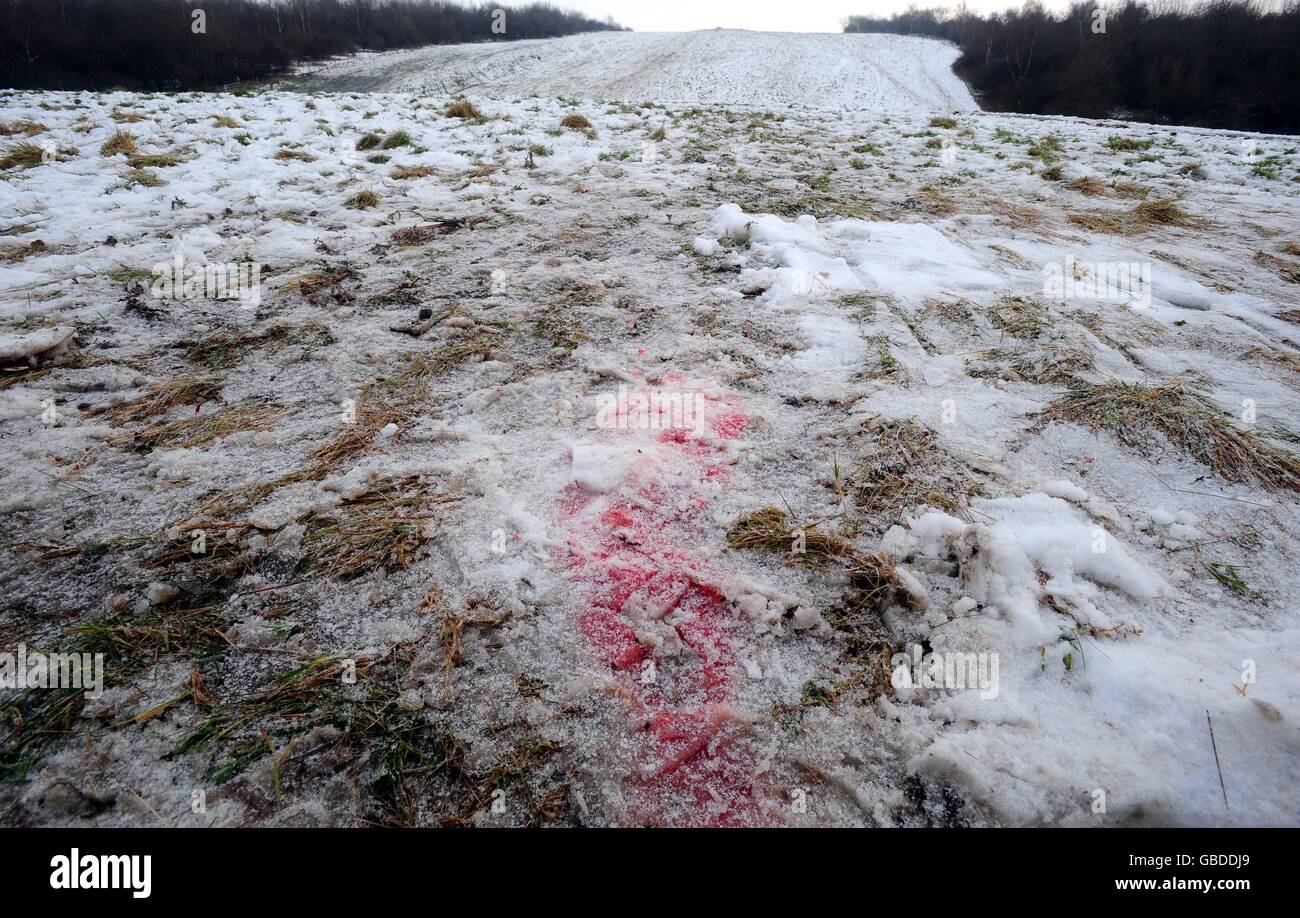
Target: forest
(207, 44)
(1222, 64)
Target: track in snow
(886, 73)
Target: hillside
(395, 537)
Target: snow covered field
(878, 73)
(538, 470)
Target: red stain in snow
(633, 555)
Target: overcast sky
(762, 15)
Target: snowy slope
(566, 615)
(879, 73)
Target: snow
(881, 73)
(40, 343)
(748, 263)
(906, 260)
(600, 467)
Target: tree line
(204, 44)
(1224, 63)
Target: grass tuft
(1164, 212)
(1089, 186)
(283, 154)
(462, 108)
(24, 155)
(1021, 317)
(383, 527)
(26, 128)
(222, 350)
(576, 122)
(903, 466)
(1127, 144)
(120, 142)
(872, 582)
(1134, 414)
(189, 433)
(397, 139)
(412, 172)
(362, 200)
(164, 396)
(154, 160)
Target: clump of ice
(909, 261)
(1023, 549)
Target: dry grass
(930, 200)
(413, 172)
(143, 178)
(1021, 317)
(1133, 414)
(1164, 212)
(462, 108)
(388, 400)
(1129, 189)
(26, 128)
(222, 350)
(903, 466)
(770, 529)
(154, 160)
(362, 200)
(410, 383)
(417, 235)
(1289, 271)
(872, 582)
(1148, 214)
(381, 528)
(285, 154)
(355, 439)
(940, 122)
(1088, 186)
(164, 396)
(224, 121)
(122, 142)
(189, 433)
(1283, 358)
(1051, 366)
(1099, 222)
(326, 281)
(369, 142)
(24, 155)
(578, 123)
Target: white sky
(759, 15)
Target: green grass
(397, 139)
